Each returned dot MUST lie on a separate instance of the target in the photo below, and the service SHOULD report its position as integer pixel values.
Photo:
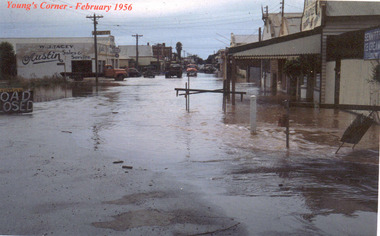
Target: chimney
(164, 44)
(148, 43)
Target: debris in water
(128, 167)
(118, 162)
(64, 131)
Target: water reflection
(42, 94)
(74, 89)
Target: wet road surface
(131, 159)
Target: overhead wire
(301, 8)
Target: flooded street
(130, 160)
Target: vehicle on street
(133, 72)
(209, 69)
(173, 70)
(109, 72)
(149, 74)
(191, 70)
(117, 73)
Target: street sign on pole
(105, 32)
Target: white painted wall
(355, 87)
(78, 48)
(330, 82)
(39, 60)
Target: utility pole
(96, 45)
(158, 48)
(137, 49)
(282, 17)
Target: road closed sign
(16, 100)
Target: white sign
(372, 44)
(312, 15)
(38, 60)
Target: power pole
(282, 17)
(137, 49)
(158, 48)
(96, 44)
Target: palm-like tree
(178, 47)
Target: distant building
(276, 26)
(128, 55)
(237, 40)
(162, 52)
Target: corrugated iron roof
(237, 40)
(308, 42)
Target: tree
(293, 69)
(211, 59)
(178, 47)
(197, 60)
(304, 65)
(7, 61)
(376, 71)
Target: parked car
(149, 74)
(209, 69)
(191, 70)
(133, 72)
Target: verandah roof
(302, 43)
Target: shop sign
(16, 100)
(36, 60)
(312, 15)
(106, 32)
(372, 44)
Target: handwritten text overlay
(77, 6)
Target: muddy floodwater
(130, 160)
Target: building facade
(333, 34)
(40, 57)
(128, 55)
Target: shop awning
(287, 46)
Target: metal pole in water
(187, 91)
(253, 114)
(188, 86)
(287, 123)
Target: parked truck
(109, 72)
(173, 70)
(117, 74)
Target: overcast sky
(202, 26)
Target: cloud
(172, 7)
